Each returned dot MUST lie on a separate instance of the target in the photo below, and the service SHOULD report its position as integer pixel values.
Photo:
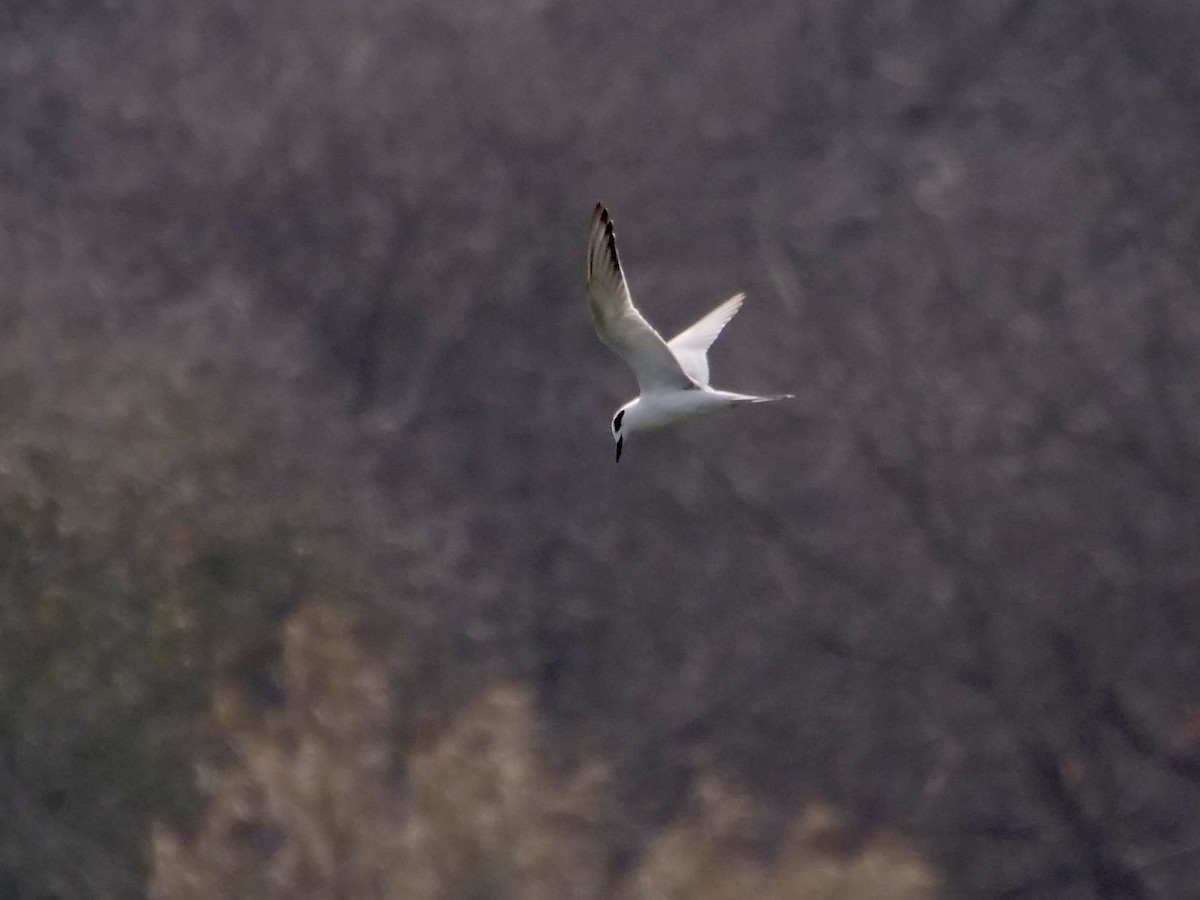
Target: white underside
(662, 408)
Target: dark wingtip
(612, 246)
(620, 444)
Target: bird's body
(672, 376)
(647, 412)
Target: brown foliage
(313, 800)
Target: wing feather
(617, 321)
(691, 345)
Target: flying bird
(672, 375)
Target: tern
(672, 375)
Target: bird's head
(620, 425)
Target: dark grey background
(292, 300)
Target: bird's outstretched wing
(691, 345)
(617, 321)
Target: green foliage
(105, 661)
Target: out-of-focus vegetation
(316, 577)
(304, 803)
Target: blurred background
(317, 578)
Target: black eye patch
(617, 420)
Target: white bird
(672, 375)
